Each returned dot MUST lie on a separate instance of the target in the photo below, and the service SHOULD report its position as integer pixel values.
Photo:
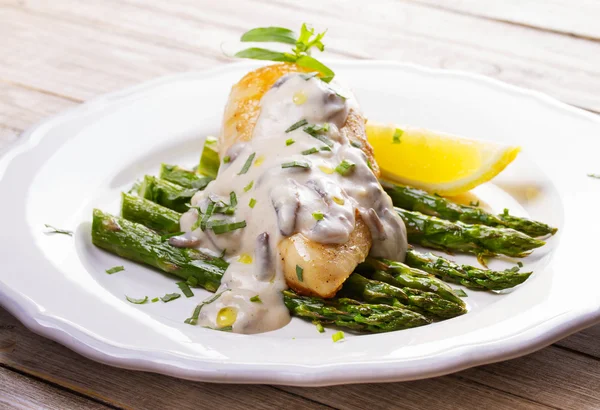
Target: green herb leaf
(310, 151)
(221, 227)
(315, 131)
(397, 134)
(304, 42)
(520, 264)
(296, 125)
(249, 186)
(252, 202)
(58, 230)
(115, 269)
(597, 176)
(226, 159)
(336, 337)
(170, 235)
(356, 144)
(185, 288)
(345, 168)
(155, 300)
(472, 203)
(308, 76)
(137, 301)
(296, 164)
(299, 273)
(327, 73)
(170, 296)
(247, 164)
(209, 212)
(318, 215)
(320, 327)
(256, 53)
(256, 299)
(194, 318)
(460, 293)
(232, 199)
(289, 142)
(270, 34)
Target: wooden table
(56, 54)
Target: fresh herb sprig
(300, 53)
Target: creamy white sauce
(287, 198)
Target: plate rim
(543, 333)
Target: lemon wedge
(434, 161)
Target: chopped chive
(296, 164)
(155, 300)
(220, 227)
(137, 301)
(300, 273)
(58, 230)
(520, 264)
(296, 125)
(318, 215)
(289, 142)
(204, 220)
(194, 318)
(505, 213)
(309, 151)
(170, 296)
(185, 288)
(356, 144)
(345, 168)
(460, 293)
(192, 281)
(233, 199)
(256, 299)
(226, 159)
(474, 203)
(220, 329)
(597, 176)
(336, 337)
(170, 235)
(315, 132)
(252, 202)
(247, 164)
(249, 186)
(397, 134)
(320, 327)
(115, 269)
(369, 164)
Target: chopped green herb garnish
(170, 296)
(192, 281)
(473, 203)
(308, 76)
(220, 329)
(460, 293)
(318, 215)
(320, 327)
(232, 199)
(299, 273)
(249, 186)
(309, 151)
(520, 264)
(247, 164)
(316, 131)
(58, 230)
(356, 144)
(201, 222)
(289, 142)
(194, 318)
(336, 337)
(137, 301)
(505, 213)
(295, 164)
(185, 288)
(345, 168)
(252, 202)
(115, 269)
(226, 159)
(155, 300)
(369, 164)
(256, 299)
(170, 235)
(300, 53)
(397, 134)
(221, 227)
(597, 176)
(295, 126)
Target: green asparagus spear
(469, 276)
(183, 177)
(414, 199)
(351, 314)
(390, 291)
(156, 217)
(481, 240)
(165, 193)
(138, 243)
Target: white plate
(83, 158)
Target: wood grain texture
(21, 392)
(579, 18)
